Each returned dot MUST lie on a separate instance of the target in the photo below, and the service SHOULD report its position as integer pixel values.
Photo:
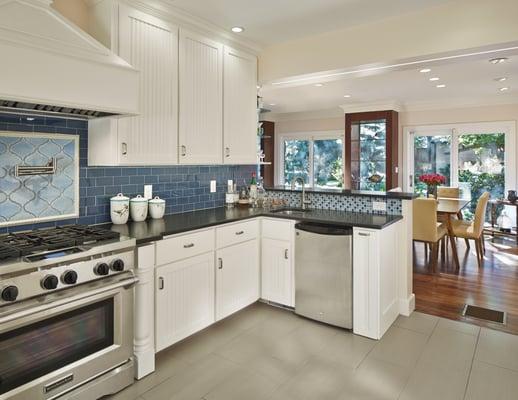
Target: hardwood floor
(495, 285)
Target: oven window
(45, 346)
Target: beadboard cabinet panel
(277, 275)
(239, 103)
(201, 100)
(184, 298)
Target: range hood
(50, 66)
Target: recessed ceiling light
(442, 85)
(498, 60)
(237, 29)
(425, 70)
(502, 79)
(434, 79)
(319, 84)
(347, 96)
(504, 89)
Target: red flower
(432, 179)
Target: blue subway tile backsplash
(185, 188)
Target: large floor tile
(498, 348)
(250, 316)
(195, 382)
(400, 346)
(449, 347)
(418, 322)
(346, 349)
(459, 326)
(491, 382)
(375, 380)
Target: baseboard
(144, 364)
(407, 306)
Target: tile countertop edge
(152, 230)
(348, 192)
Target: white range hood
(49, 65)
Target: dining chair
(449, 192)
(426, 228)
(474, 230)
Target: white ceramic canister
(138, 208)
(119, 209)
(156, 207)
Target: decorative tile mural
(33, 198)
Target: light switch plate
(213, 186)
(148, 192)
(379, 206)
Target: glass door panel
(328, 163)
(296, 160)
(431, 154)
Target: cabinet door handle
(363, 234)
(124, 148)
(160, 283)
(184, 150)
(220, 263)
(286, 251)
(227, 151)
(188, 246)
(240, 232)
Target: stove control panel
(62, 277)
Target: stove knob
(101, 269)
(69, 277)
(10, 293)
(117, 265)
(49, 282)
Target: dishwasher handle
(324, 229)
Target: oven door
(53, 344)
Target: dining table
(447, 208)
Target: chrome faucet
(304, 201)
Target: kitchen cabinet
(150, 45)
(375, 273)
(184, 298)
(239, 105)
(201, 99)
(277, 271)
(237, 277)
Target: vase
(431, 191)
(511, 196)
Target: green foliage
(296, 160)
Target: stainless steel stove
(66, 313)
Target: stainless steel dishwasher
(323, 273)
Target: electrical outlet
(213, 186)
(148, 192)
(379, 206)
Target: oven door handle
(68, 299)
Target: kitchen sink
(291, 211)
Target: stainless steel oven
(69, 344)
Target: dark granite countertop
(155, 229)
(348, 192)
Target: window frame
(310, 136)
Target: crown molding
(372, 106)
(503, 99)
(304, 115)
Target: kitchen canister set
(122, 207)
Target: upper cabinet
(197, 99)
(201, 99)
(239, 104)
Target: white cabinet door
(237, 277)
(239, 105)
(184, 298)
(277, 271)
(151, 46)
(201, 100)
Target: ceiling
(268, 22)
(468, 81)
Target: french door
(475, 157)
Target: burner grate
(8, 252)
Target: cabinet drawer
(236, 233)
(277, 229)
(180, 247)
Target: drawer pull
(220, 263)
(240, 232)
(184, 150)
(286, 254)
(363, 234)
(160, 283)
(188, 246)
(124, 149)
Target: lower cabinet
(237, 277)
(277, 271)
(184, 298)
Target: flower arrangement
(432, 179)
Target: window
(315, 157)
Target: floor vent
(485, 314)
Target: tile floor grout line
(471, 366)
